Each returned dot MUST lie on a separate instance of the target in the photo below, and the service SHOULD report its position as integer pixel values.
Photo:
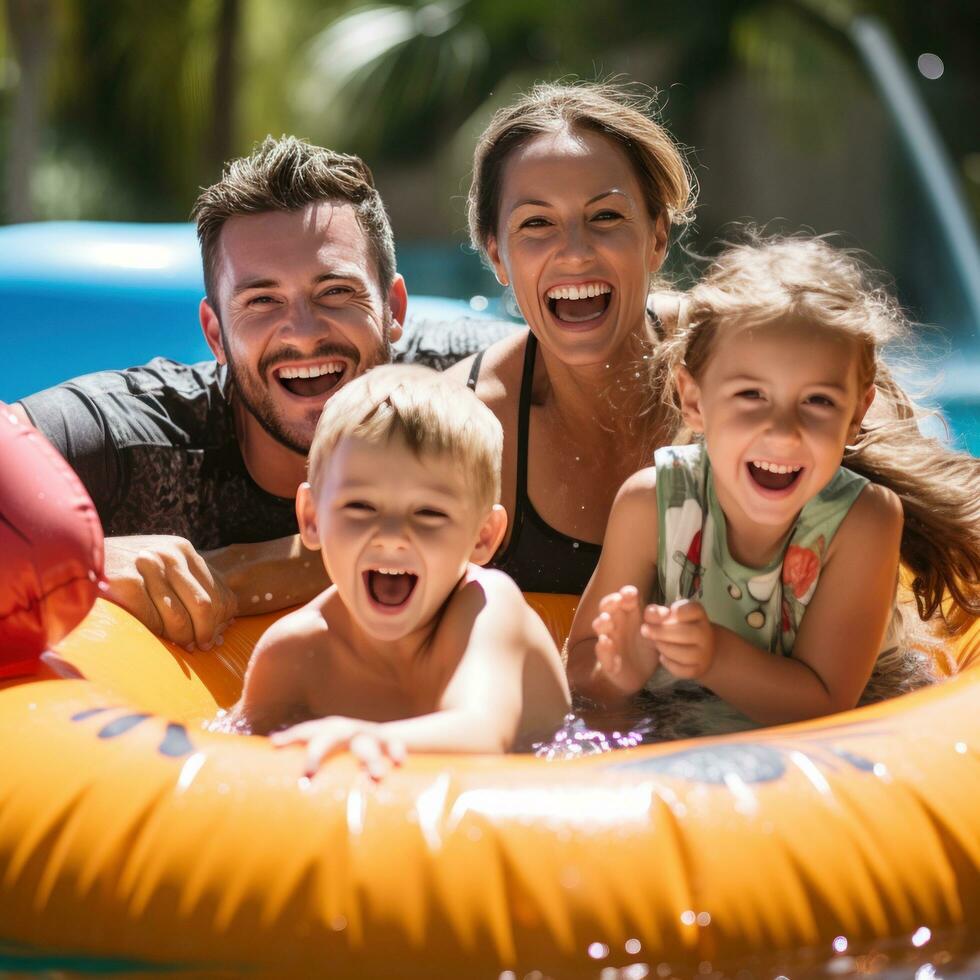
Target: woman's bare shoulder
(500, 369)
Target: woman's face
(576, 243)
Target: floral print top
(763, 605)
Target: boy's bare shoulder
(301, 629)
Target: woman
(574, 193)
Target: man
(193, 468)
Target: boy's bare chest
(375, 690)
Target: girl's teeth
(775, 467)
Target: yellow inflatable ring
(130, 835)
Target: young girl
(750, 560)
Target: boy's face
(396, 530)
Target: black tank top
(537, 557)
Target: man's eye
(261, 301)
(335, 291)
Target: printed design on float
(749, 762)
(175, 743)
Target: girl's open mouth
(774, 476)
(579, 304)
(311, 380)
(390, 588)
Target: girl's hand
(623, 653)
(328, 736)
(684, 636)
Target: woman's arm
(629, 558)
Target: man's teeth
(312, 371)
(776, 467)
(579, 292)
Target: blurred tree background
(122, 109)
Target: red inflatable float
(51, 547)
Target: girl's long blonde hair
(797, 278)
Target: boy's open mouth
(311, 380)
(774, 476)
(390, 587)
(581, 303)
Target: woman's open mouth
(579, 304)
(390, 588)
(774, 477)
(311, 380)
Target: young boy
(414, 646)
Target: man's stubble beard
(255, 396)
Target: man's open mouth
(774, 476)
(311, 380)
(390, 587)
(580, 303)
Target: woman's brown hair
(615, 111)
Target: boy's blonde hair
(431, 413)
(805, 279)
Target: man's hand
(626, 656)
(684, 636)
(169, 587)
(328, 736)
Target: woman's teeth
(584, 291)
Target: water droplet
(705, 967)
(704, 918)
(268, 596)
(633, 946)
(255, 598)
(930, 66)
(688, 917)
(961, 748)
(921, 936)
(574, 544)
(479, 303)
(840, 944)
(338, 923)
(598, 951)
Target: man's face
(300, 313)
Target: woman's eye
(535, 223)
(606, 216)
(750, 393)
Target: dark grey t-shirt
(157, 450)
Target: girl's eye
(750, 393)
(822, 400)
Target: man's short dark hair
(286, 174)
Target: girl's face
(777, 403)
(577, 244)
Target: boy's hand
(684, 636)
(625, 654)
(328, 736)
